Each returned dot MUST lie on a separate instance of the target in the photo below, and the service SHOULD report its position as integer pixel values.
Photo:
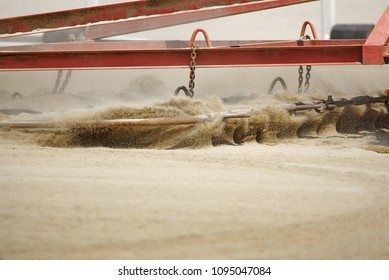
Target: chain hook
(189, 92)
(184, 89)
(194, 35)
(303, 36)
(278, 79)
(192, 65)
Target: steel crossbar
(134, 16)
(165, 54)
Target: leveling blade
(185, 120)
(319, 106)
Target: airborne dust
(269, 124)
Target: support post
(373, 49)
(328, 17)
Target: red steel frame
(152, 54)
(135, 16)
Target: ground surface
(319, 198)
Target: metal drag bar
(184, 120)
(317, 105)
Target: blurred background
(280, 23)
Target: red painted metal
(160, 54)
(194, 35)
(138, 15)
(374, 49)
(174, 44)
(180, 57)
(165, 20)
(313, 30)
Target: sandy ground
(319, 198)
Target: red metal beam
(172, 44)
(180, 57)
(165, 20)
(157, 14)
(160, 54)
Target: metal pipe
(184, 120)
(317, 105)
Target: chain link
(65, 82)
(192, 73)
(57, 81)
(308, 77)
(57, 90)
(301, 70)
(60, 90)
(300, 79)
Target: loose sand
(315, 197)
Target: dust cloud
(267, 124)
(79, 117)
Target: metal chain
(58, 81)
(308, 77)
(59, 75)
(65, 82)
(71, 37)
(300, 79)
(301, 70)
(192, 73)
